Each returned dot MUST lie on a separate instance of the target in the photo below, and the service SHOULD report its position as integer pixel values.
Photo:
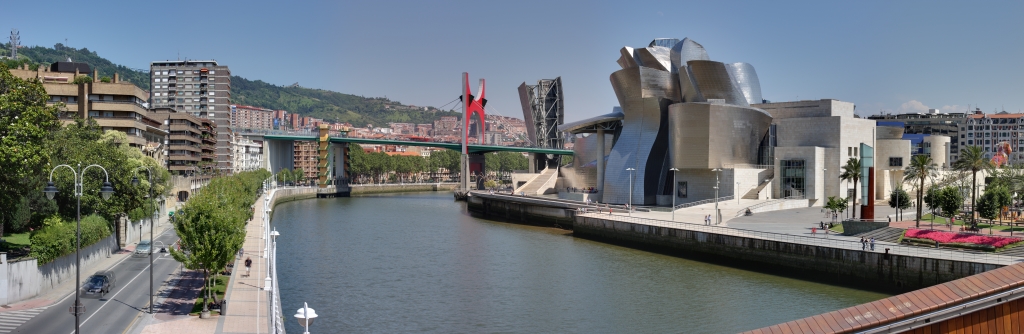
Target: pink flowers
(961, 238)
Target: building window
(792, 178)
(681, 189)
(896, 162)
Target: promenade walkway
(247, 302)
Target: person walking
(814, 231)
(872, 244)
(248, 265)
(863, 244)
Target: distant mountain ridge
(324, 104)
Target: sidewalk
(243, 315)
(66, 289)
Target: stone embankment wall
(524, 210)
(848, 267)
(370, 189)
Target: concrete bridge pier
(278, 155)
(472, 164)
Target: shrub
(961, 238)
(57, 237)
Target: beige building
(814, 139)
(115, 105)
(191, 141)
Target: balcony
(183, 157)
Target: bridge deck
(473, 148)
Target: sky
(891, 56)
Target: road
(116, 311)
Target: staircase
(540, 183)
(887, 234)
(752, 194)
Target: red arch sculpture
(472, 105)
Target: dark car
(98, 284)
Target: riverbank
(373, 189)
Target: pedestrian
(863, 244)
(826, 233)
(248, 265)
(872, 244)
(814, 231)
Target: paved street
(115, 312)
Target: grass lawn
(838, 228)
(219, 287)
(983, 224)
(15, 243)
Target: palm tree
(920, 168)
(972, 159)
(852, 172)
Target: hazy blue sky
(882, 55)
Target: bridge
(279, 153)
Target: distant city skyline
(897, 57)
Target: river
(420, 263)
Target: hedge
(57, 237)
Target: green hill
(319, 103)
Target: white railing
(706, 201)
(821, 239)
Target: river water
(420, 263)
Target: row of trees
(379, 167)
(294, 176)
(211, 225)
(33, 141)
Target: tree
(950, 200)
(211, 225)
(921, 167)
(932, 199)
(852, 172)
(835, 204)
(997, 197)
(899, 200)
(25, 121)
(972, 159)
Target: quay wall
(524, 210)
(848, 267)
(371, 189)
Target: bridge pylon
(471, 105)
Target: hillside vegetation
(319, 103)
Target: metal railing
(706, 201)
(823, 240)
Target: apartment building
(248, 154)
(191, 141)
(114, 104)
(253, 118)
(201, 88)
(995, 132)
(306, 158)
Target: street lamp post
(105, 191)
(135, 182)
(305, 316)
(631, 169)
(718, 220)
(675, 191)
(736, 193)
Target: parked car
(143, 249)
(99, 284)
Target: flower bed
(961, 238)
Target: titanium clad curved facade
(665, 42)
(690, 91)
(655, 57)
(644, 95)
(715, 82)
(746, 78)
(626, 59)
(687, 50)
(704, 135)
